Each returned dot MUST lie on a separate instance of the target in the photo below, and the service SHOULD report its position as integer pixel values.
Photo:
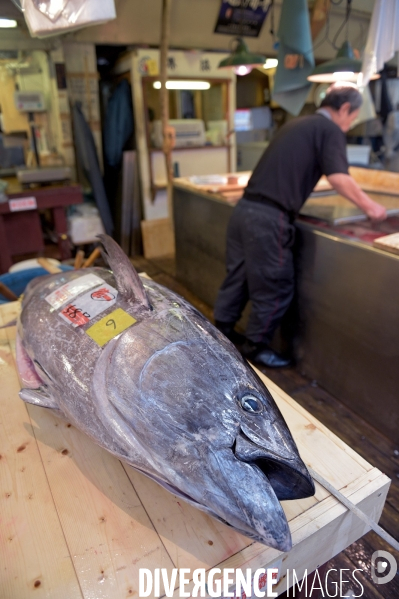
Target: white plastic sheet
(51, 17)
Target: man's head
(343, 101)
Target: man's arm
(347, 186)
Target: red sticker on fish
(90, 304)
(75, 315)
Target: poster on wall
(242, 17)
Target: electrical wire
(18, 4)
(327, 31)
(344, 22)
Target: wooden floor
(357, 433)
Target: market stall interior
(137, 439)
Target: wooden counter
(20, 228)
(77, 523)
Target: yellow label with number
(110, 326)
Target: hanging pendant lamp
(241, 60)
(344, 67)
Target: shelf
(207, 147)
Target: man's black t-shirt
(302, 151)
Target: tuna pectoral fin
(38, 397)
(127, 280)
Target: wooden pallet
(77, 523)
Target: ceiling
(8, 8)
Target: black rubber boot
(227, 328)
(263, 355)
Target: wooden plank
(389, 243)
(158, 238)
(34, 556)
(107, 530)
(369, 180)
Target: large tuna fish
(148, 378)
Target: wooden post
(166, 130)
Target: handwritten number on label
(110, 322)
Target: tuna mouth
(288, 478)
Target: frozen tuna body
(147, 377)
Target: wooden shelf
(206, 147)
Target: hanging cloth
(295, 56)
(382, 39)
(118, 125)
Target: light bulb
(242, 69)
(270, 63)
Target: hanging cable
(344, 22)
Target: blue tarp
(295, 56)
(17, 281)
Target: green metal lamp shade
(344, 67)
(241, 57)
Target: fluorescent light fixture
(183, 84)
(343, 75)
(271, 63)
(8, 23)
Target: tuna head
(208, 427)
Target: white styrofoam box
(85, 225)
(32, 263)
(189, 132)
(358, 154)
(209, 160)
(53, 17)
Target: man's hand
(347, 186)
(376, 212)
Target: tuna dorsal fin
(127, 280)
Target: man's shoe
(271, 359)
(227, 328)
(263, 355)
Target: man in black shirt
(260, 236)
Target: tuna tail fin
(127, 280)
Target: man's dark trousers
(260, 268)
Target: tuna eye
(252, 404)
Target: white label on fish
(71, 289)
(89, 305)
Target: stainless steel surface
(338, 215)
(348, 298)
